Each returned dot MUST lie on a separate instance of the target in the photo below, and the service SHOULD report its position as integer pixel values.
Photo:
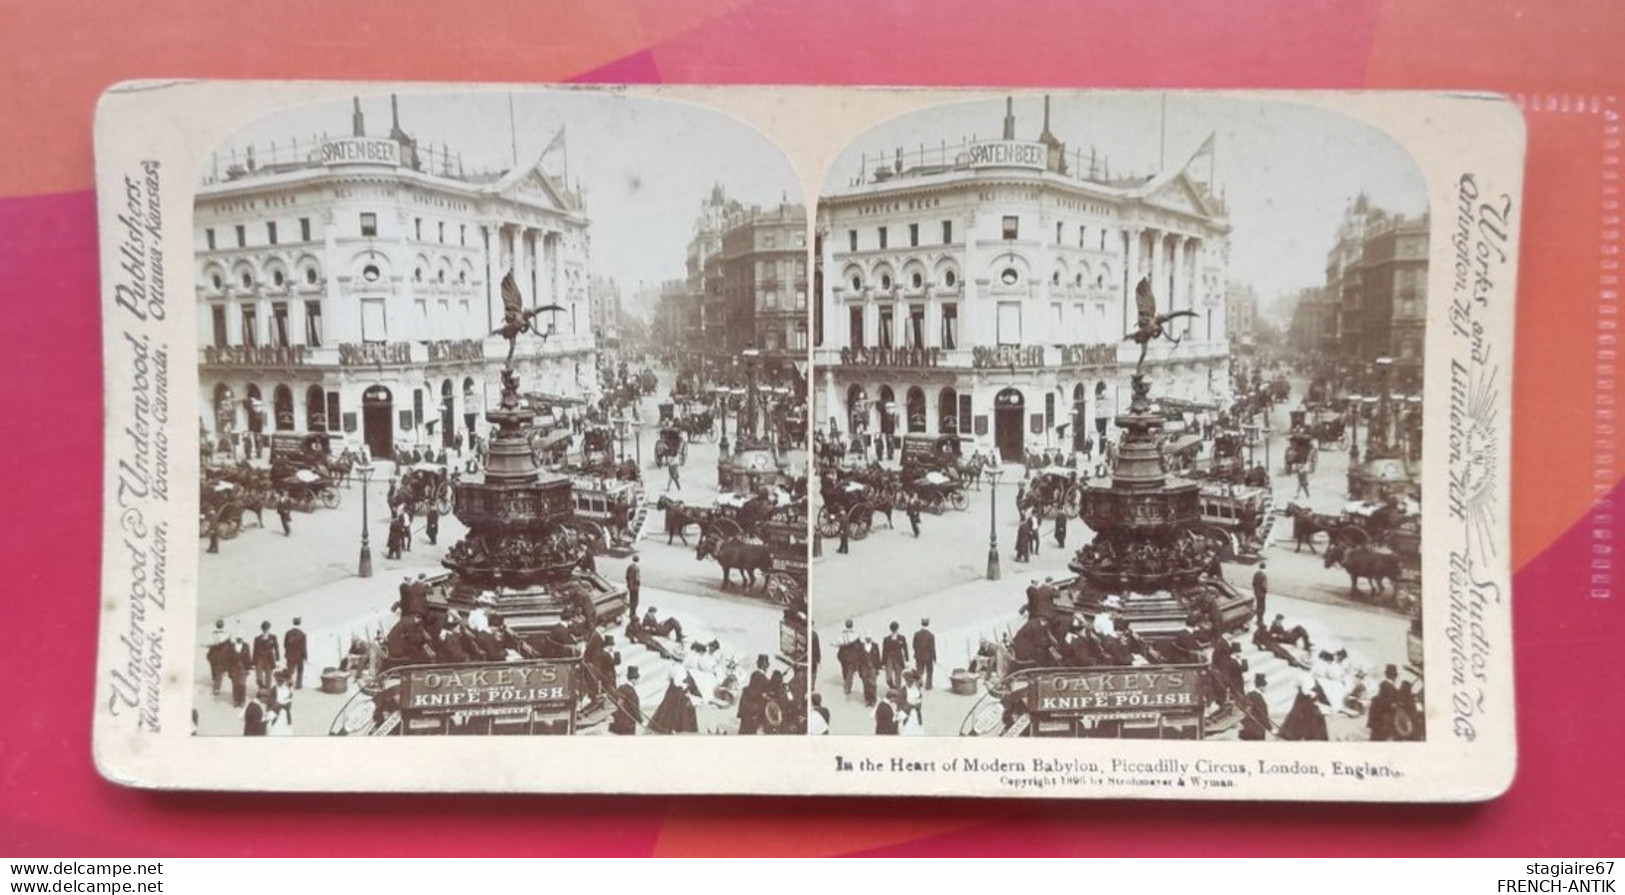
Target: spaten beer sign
(1007, 154)
(361, 151)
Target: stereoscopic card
(807, 440)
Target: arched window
(856, 408)
(283, 405)
(916, 409)
(887, 404)
(947, 411)
(315, 409)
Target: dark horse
(1375, 566)
(679, 516)
(734, 553)
(1306, 524)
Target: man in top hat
(894, 655)
(634, 583)
(239, 662)
(1380, 719)
(257, 714)
(628, 706)
(218, 654)
(1261, 588)
(925, 653)
(868, 653)
(267, 654)
(846, 655)
(1255, 712)
(886, 714)
(294, 652)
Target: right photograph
(1118, 404)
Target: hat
(1391, 671)
(1259, 680)
(925, 623)
(298, 621)
(632, 673)
(219, 624)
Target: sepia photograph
(502, 421)
(1118, 406)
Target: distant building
(985, 288)
(351, 285)
(764, 280)
(1312, 330)
(604, 310)
(1376, 291)
(1241, 315)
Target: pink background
(56, 58)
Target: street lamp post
(365, 569)
(993, 474)
(723, 394)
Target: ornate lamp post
(993, 474)
(724, 395)
(365, 570)
(1354, 429)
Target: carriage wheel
(1407, 725)
(987, 719)
(783, 589)
(859, 518)
(597, 539)
(330, 498)
(726, 528)
(958, 500)
(829, 523)
(1351, 536)
(1220, 540)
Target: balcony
(390, 354)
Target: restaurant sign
(996, 356)
(359, 354)
(891, 357)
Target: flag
(512, 302)
(556, 142)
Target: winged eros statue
(1150, 323)
(515, 319)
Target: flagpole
(513, 132)
(1162, 140)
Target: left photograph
(502, 421)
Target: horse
(1375, 566)
(1306, 524)
(679, 516)
(734, 553)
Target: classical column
(1172, 275)
(491, 234)
(296, 316)
(518, 264)
(1131, 275)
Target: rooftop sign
(361, 151)
(1007, 154)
